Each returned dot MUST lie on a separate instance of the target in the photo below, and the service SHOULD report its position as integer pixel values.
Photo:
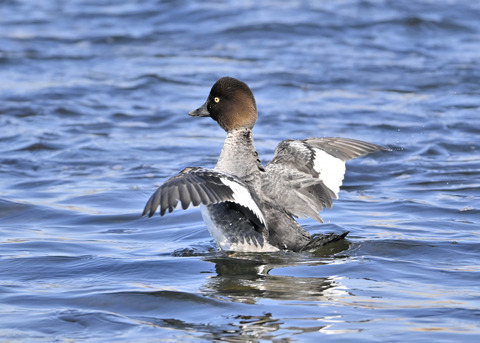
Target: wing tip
(148, 211)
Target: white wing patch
(331, 170)
(242, 197)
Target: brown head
(231, 103)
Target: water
(93, 104)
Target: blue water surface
(94, 97)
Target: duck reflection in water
(247, 278)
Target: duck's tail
(320, 240)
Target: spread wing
(203, 186)
(305, 175)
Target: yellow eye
(216, 99)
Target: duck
(251, 207)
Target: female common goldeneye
(251, 207)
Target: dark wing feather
(203, 186)
(343, 148)
(305, 175)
